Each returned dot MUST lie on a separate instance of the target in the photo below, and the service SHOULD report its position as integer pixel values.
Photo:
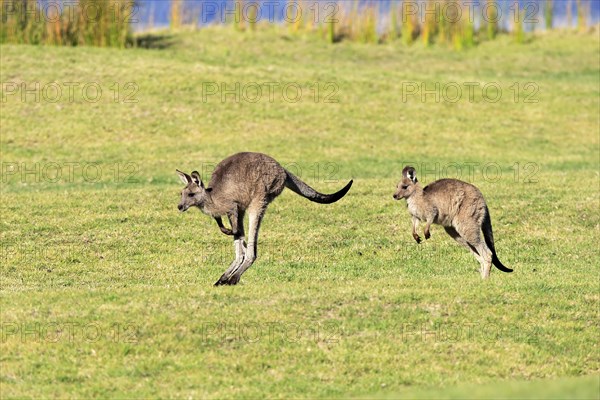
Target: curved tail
(486, 227)
(294, 183)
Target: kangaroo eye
(404, 187)
(191, 194)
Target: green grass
(563, 388)
(106, 290)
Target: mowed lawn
(106, 290)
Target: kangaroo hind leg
(460, 240)
(236, 218)
(254, 220)
(478, 246)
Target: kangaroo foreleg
(426, 230)
(415, 225)
(226, 231)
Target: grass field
(106, 290)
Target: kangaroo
(244, 182)
(457, 206)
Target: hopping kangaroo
(459, 207)
(244, 182)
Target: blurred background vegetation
(453, 23)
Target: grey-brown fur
(457, 206)
(244, 183)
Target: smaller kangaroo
(457, 206)
(244, 182)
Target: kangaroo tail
(294, 183)
(486, 227)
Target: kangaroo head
(407, 186)
(193, 194)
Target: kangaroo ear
(410, 173)
(196, 179)
(185, 178)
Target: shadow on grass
(155, 41)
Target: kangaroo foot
(417, 238)
(223, 280)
